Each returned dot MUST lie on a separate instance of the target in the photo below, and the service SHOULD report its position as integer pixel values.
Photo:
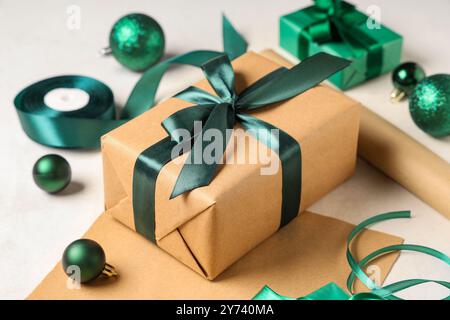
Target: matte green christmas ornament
(89, 257)
(429, 105)
(52, 173)
(136, 41)
(405, 78)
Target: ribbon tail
(200, 168)
(295, 81)
(220, 75)
(234, 45)
(272, 76)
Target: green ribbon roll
(79, 128)
(83, 128)
(335, 21)
(332, 291)
(221, 112)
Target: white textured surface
(36, 43)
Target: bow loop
(220, 75)
(329, 6)
(290, 83)
(334, 18)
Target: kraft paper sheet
(300, 258)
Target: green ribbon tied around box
(82, 128)
(335, 21)
(332, 291)
(221, 112)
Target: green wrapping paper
(336, 27)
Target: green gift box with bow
(338, 28)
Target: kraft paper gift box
(373, 48)
(210, 228)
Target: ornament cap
(109, 271)
(106, 51)
(397, 95)
(405, 78)
(89, 259)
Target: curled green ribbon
(83, 128)
(335, 21)
(221, 112)
(332, 291)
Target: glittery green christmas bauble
(87, 255)
(137, 41)
(52, 173)
(429, 105)
(406, 76)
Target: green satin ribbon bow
(335, 21)
(221, 112)
(83, 128)
(332, 291)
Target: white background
(36, 43)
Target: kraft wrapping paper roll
(399, 156)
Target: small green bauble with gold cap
(136, 41)
(89, 257)
(405, 78)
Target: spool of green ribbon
(67, 129)
(82, 128)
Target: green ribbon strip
(222, 112)
(335, 21)
(83, 128)
(333, 292)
